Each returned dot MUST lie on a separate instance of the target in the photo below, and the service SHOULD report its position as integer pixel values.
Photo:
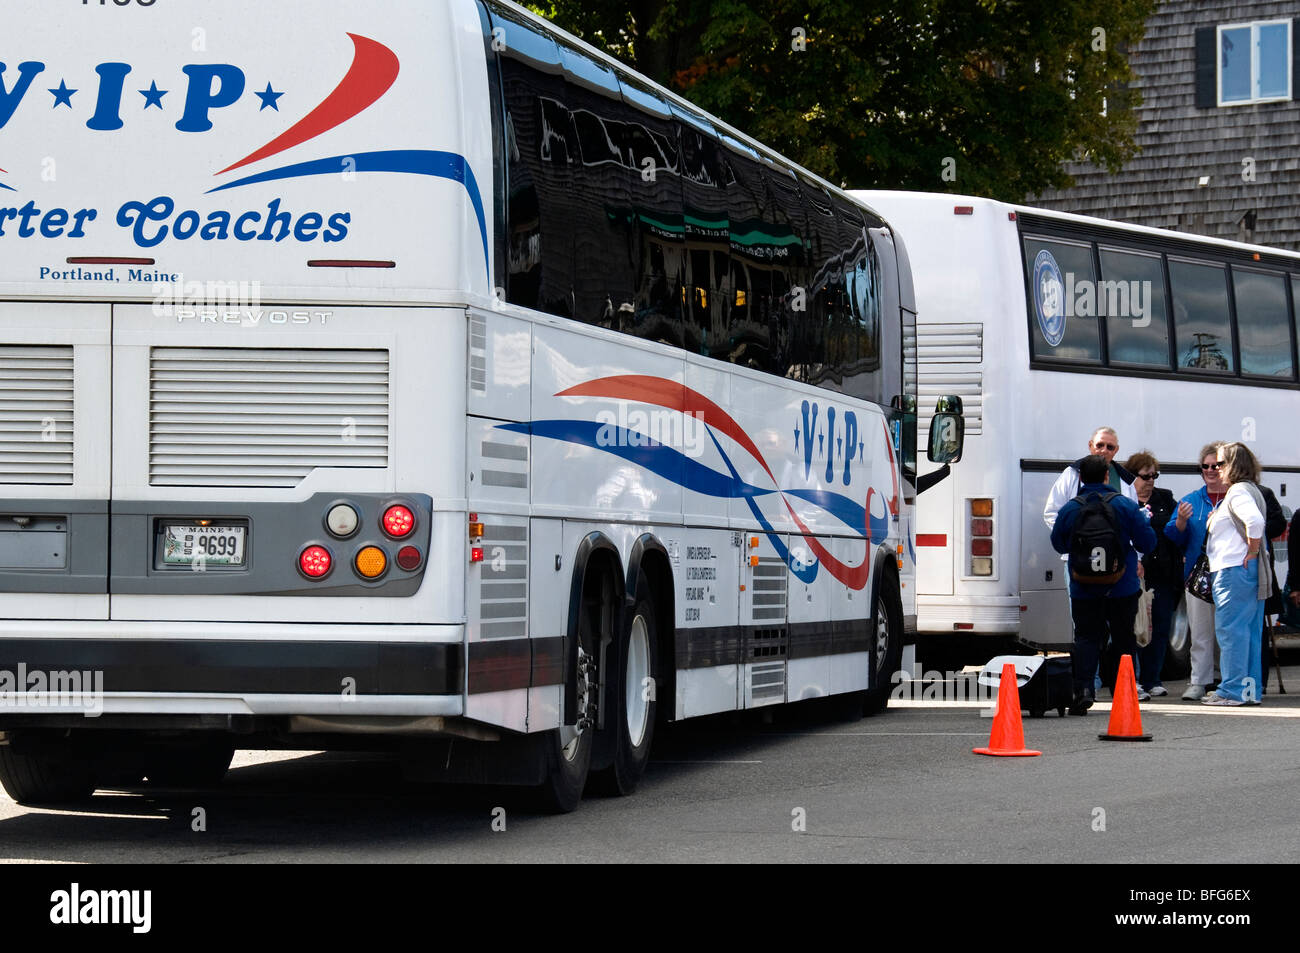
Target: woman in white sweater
(1241, 584)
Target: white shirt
(1226, 547)
(1066, 488)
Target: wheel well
(887, 587)
(659, 574)
(597, 573)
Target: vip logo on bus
(870, 519)
(204, 93)
(838, 444)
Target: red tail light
(398, 521)
(408, 558)
(315, 561)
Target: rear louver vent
(36, 415)
(769, 588)
(503, 586)
(943, 348)
(477, 354)
(263, 417)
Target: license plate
(184, 543)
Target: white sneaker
(1158, 691)
(1221, 700)
(1194, 693)
(1143, 694)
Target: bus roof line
(668, 95)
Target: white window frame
(1254, 26)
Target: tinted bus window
(604, 273)
(1132, 291)
(655, 196)
(1062, 300)
(1263, 324)
(750, 260)
(1201, 330)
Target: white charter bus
(1049, 325)
(413, 373)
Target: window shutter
(1295, 60)
(1207, 86)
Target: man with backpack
(1098, 531)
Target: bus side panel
(709, 641)
(549, 575)
(936, 540)
(851, 618)
(811, 607)
(594, 424)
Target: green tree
(893, 93)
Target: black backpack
(1097, 542)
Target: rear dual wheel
(632, 697)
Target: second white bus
(1173, 340)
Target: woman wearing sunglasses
(1241, 578)
(1162, 570)
(1187, 532)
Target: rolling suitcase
(1044, 681)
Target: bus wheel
(45, 778)
(566, 751)
(200, 765)
(632, 699)
(886, 642)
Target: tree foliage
(890, 93)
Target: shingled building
(1218, 128)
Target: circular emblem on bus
(1049, 298)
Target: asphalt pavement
(792, 786)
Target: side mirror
(947, 431)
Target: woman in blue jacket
(1188, 532)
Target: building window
(1254, 62)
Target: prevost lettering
(150, 223)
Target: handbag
(1142, 624)
(1290, 613)
(1200, 583)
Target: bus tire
(200, 765)
(632, 699)
(566, 752)
(36, 778)
(886, 637)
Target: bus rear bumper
(990, 615)
(343, 671)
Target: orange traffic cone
(1125, 716)
(1007, 739)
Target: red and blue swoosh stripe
(671, 464)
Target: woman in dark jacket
(1162, 570)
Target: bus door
(54, 460)
(1046, 618)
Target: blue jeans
(1239, 627)
(1151, 657)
